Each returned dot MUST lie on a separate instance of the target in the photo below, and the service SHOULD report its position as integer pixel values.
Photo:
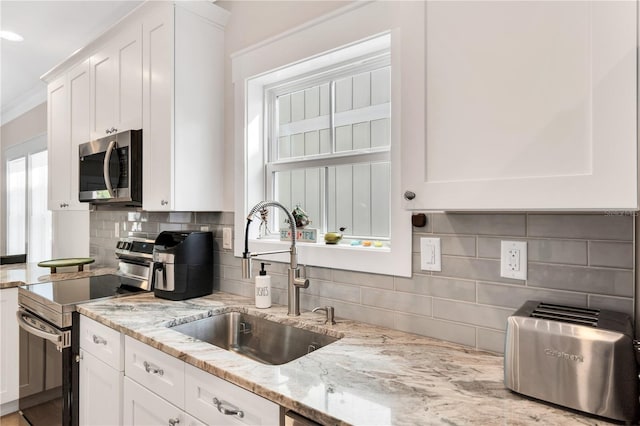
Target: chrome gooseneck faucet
(295, 280)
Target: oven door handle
(34, 325)
(105, 168)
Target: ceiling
(52, 31)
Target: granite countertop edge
(372, 375)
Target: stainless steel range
(49, 332)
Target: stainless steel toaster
(575, 357)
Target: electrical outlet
(430, 259)
(513, 259)
(226, 238)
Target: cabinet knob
(174, 422)
(409, 195)
(63, 205)
(164, 202)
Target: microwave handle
(105, 168)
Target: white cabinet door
(116, 83)
(144, 408)
(9, 346)
(157, 120)
(79, 122)
(128, 75)
(103, 90)
(529, 105)
(59, 144)
(100, 392)
(183, 65)
(68, 126)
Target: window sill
(379, 260)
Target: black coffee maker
(183, 265)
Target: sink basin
(257, 338)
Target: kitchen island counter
(14, 275)
(371, 376)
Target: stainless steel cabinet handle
(99, 340)
(227, 411)
(173, 422)
(152, 369)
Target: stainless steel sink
(257, 338)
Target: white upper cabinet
(529, 106)
(183, 48)
(116, 83)
(68, 126)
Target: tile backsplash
(580, 259)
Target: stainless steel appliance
(183, 264)
(49, 336)
(577, 357)
(110, 169)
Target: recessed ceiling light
(11, 36)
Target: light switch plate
(226, 238)
(513, 259)
(430, 254)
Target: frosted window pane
(284, 109)
(380, 86)
(311, 143)
(361, 90)
(343, 95)
(297, 106)
(380, 133)
(312, 102)
(361, 136)
(297, 145)
(343, 138)
(16, 205)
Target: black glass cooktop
(71, 292)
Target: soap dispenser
(263, 288)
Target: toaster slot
(568, 314)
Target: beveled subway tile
(583, 226)
(479, 224)
(619, 304)
(469, 313)
(447, 288)
(490, 340)
(361, 278)
(397, 301)
(615, 282)
(514, 296)
(438, 329)
(610, 254)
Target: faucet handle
(329, 311)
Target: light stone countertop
(18, 274)
(372, 376)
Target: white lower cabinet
(101, 374)
(144, 408)
(218, 402)
(100, 392)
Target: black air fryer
(183, 265)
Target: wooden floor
(12, 419)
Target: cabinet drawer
(102, 342)
(207, 397)
(144, 408)
(157, 371)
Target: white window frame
(255, 68)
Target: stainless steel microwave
(111, 169)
